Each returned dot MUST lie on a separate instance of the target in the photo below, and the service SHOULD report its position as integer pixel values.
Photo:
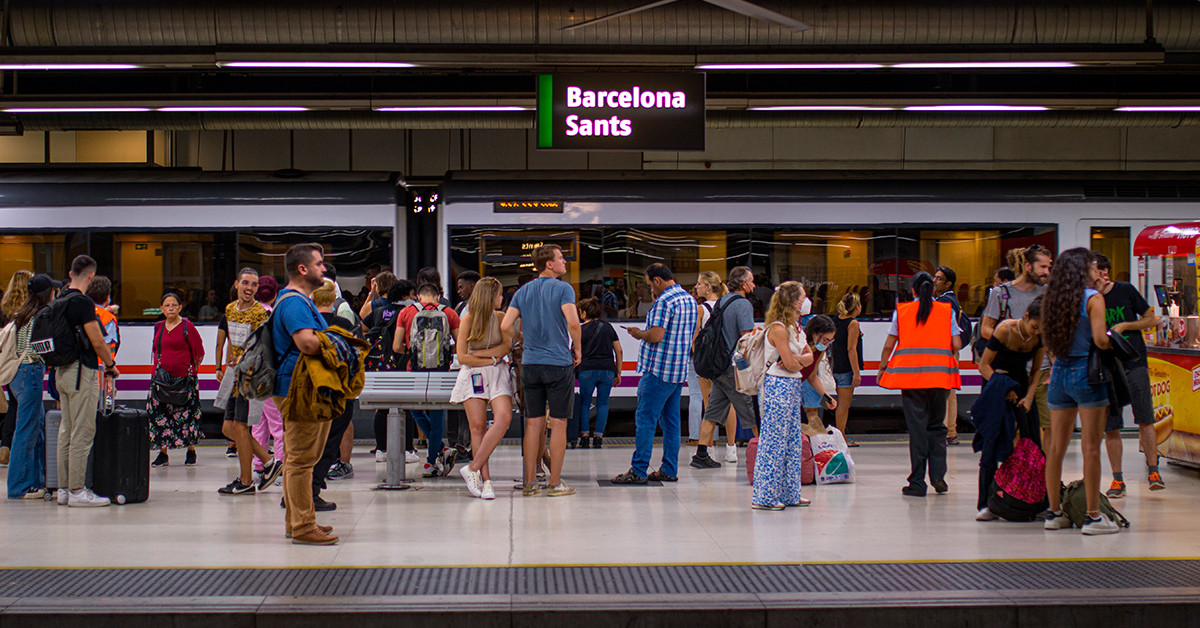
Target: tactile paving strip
(633, 580)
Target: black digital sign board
(626, 111)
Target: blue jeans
(658, 405)
(1069, 387)
(27, 466)
(433, 423)
(600, 381)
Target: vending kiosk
(1166, 257)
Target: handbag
(1097, 372)
(166, 388)
(1122, 347)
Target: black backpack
(54, 339)
(712, 356)
(381, 357)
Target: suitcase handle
(108, 395)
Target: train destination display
(634, 111)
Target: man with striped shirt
(663, 364)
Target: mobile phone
(477, 383)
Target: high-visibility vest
(923, 357)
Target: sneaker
(754, 506)
(474, 480)
(572, 444)
(320, 505)
(940, 486)
(5, 454)
(529, 490)
(952, 440)
(912, 491)
(597, 442)
(85, 498)
(62, 496)
(411, 457)
(231, 451)
(986, 515)
(270, 474)
(34, 493)
(161, 460)
(1100, 524)
(704, 462)
(731, 453)
(190, 459)
(449, 455)
(1056, 520)
(559, 490)
(488, 492)
(236, 488)
(585, 442)
(380, 456)
(340, 471)
(431, 470)
(1156, 482)
(1116, 490)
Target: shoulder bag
(167, 388)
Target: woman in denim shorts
(1072, 320)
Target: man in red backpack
(428, 321)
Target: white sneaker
(1056, 521)
(474, 481)
(1100, 525)
(380, 456)
(731, 453)
(411, 457)
(86, 499)
(63, 496)
(986, 515)
(488, 492)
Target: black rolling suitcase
(122, 456)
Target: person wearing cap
(27, 464)
(78, 386)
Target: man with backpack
(944, 279)
(423, 331)
(67, 335)
(733, 316)
(294, 326)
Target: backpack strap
(1005, 306)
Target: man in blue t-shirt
(295, 324)
(550, 330)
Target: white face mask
(806, 307)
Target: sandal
(629, 477)
(659, 476)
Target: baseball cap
(40, 282)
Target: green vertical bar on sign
(545, 111)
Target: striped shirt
(675, 311)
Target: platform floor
(608, 547)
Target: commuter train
(865, 233)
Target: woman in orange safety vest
(920, 359)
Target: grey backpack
(257, 368)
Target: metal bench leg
(396, 479)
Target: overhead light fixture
(984, 65)
(820, 108)
(228, 108)
(363, 65)
(976, 108)
(68, 66)
(790, 66)
(76, 109)
(452, 108)
(1160, 108)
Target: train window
(351, 250)
(148, 264)
(1113, 242)
(877, 264)
(36, 253)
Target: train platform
(661, 554)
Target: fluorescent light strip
(984, 65)
(451, 109)
(315, 64)
(76, 109)
(1160, 108)
(791, 66)
(976, 108)
(231, 108)
(821, 108)
(68, 66)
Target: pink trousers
(270, 427)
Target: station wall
(430, 153)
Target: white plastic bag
(832, 457)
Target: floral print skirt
(175, 426)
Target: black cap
(38, 283)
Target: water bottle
(740, 361)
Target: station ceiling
(847, 63)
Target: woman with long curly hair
(777, 465)
(15, 296)
(1073, 320)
